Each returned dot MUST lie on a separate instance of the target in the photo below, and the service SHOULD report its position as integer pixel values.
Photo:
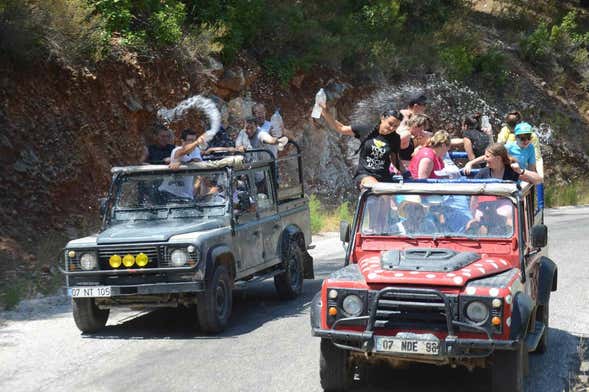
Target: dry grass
(579, 379)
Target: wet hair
(499, 150)
(512, 118)
(186, 132)
(392, 113)
(472, 121)
(418, 120)
(416, 99)
(251, 120)
(439, 138)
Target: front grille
(411, 310)
(152, 252)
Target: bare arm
(470, 164)
(526, 175)
(405, 138)
(144, 155)
(468, 149)
(338, 126)
(426, 165)
(187, 149)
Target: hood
(426, 266)
(153, 231)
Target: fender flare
(547, 279)
(316, 311)
(294, 233)
(521, 311)
(219, 254)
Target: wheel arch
(547, 279)
(220, 254)
(521, 311)
(293, 232)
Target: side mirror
(102, 201)
(344, 231)
(539, 236)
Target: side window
(264, 189)
(244, 203)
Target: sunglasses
(524, 138)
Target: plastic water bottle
(277, 124)
(320, 99)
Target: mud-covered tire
(334, 367)
(508, 369)
(87, 316)
(543, 344)
(289, 284)
(215, 303)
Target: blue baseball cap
(523, 128)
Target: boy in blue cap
(522, 149)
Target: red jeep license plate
(407, 346)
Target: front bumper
(451, 346)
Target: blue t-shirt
(525, 156)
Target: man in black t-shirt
(159, 153)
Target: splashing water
(544, 132)
(206, 105)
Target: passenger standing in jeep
(379, 148)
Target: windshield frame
(120, 177)
(362, 210)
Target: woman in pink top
(429, 159)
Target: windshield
(169, 195)
(437, 216)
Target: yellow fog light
(128, 261)
(142, 259)
(115, 261)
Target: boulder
(233, 79)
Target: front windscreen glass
(416, 215)
(169, 195)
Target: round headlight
(115, 261)
(179, 257)
(88, 261)
(141, 260)
(353, 305)
(128, 261)
(477, 312)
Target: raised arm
(470, 164)
(333, 123)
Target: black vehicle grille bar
(410, 311)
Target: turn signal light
(496, 321)
(142, 260)
(128, 261)
(115, 261)
(332, 311)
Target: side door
(532, 256)
(248, 233)
(267, 213)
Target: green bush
(317, 219)
(459, 61)
(490, 65)
(345, 213)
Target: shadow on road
(252, 308)
(549, 372)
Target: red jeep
(439, 272)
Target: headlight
(179, 257)
(88, 261)
(477, 312)
(353, 305)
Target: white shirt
(195, 154)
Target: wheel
(214, 305)
(87, 316)
(543, 344)
(289, 284)
(334, 367)
(508, 368)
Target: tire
(334, 367)
(543, 344)
(508, 369)
(87, 316)
(289, 284)
(214, 305)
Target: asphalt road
(268, 346)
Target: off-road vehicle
(440, 272)
(187, 237)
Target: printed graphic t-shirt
(375, 151)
